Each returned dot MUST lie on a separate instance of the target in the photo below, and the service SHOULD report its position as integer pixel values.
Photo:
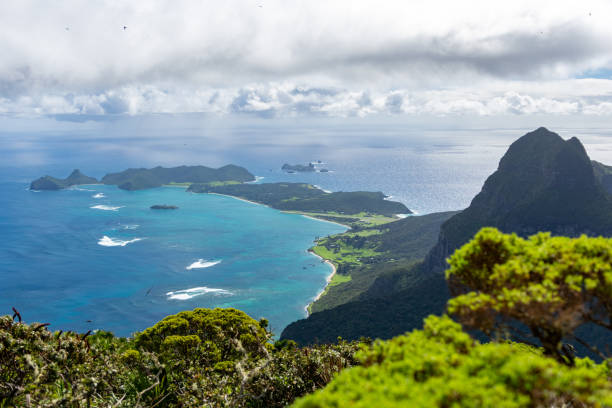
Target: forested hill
(52, 183)
(543, 183)
(139, 179)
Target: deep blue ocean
(97, 257)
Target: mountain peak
(543, 183)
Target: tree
(551, 285)
(442, 366)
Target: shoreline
(318, 219)
(239, 198)
(348, 227)
(327, 261)
(328, 281)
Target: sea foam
(98, 195)
(186, 294)
(106, 207)
(111, 242)
(202, 263)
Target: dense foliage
(442, 366)
(379, 259)
(551, 285)
(216, 358)
(138, 179)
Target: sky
(286, 59)
(113, 73)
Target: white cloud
(341, 58)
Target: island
(301, 168)
(52, 183)
(355, 208)
(163, 207)
(140, 179)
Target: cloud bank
(271, 58)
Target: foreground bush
(442, 366)
(550, 285)
(211, 358)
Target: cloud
(346, 58)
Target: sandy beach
(241, 199)
(319, 219)
(328, 280)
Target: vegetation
(52, 183)
(603, 174)
(359, 220)
(307, 198)
(379, 259)
(224, 358)
(551, 285)
(216, 358)
(442, 366)
(376, 316)
(139, 179)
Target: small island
(52, 183)
(163, 207)
(301, 168)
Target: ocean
(96, 257)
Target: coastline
(327, 261)
(328, 281)
(239, 198)
(318, 219)
(348, 227)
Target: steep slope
(603, 173)
(52, 183)
(386, 253)
(543, 183)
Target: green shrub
(441, 366)
(550, 284)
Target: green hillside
(139, 179)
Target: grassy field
(339, 252)
(351, 220)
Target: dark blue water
(64, 262)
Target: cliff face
(603, 174)
(52, 183)
(543, 183)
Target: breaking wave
(202, 263)
(111, 242)
(186, 294)
(106, 207)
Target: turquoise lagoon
(97, 257)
